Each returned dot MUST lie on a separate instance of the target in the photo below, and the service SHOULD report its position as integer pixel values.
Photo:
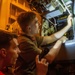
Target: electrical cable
(66, 7)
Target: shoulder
(22, 39)
(39, 39)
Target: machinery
(54, 14)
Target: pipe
(66, 7)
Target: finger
(70, 18)
(37, 59)
(43, 60)
(47, 63)
(64, 36)
(70, 15)
(65, 39)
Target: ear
(29, 28)
(3, 52)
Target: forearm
(41, 66)
(60, 33)
(41, 73)
(55, 36)
(54, 51)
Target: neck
(27, 33)
(30, 34)
(1, 64)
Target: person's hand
(69, 20)
(42, 66)
(63, 39)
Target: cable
(61, 5)
(66, 7)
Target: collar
(29, 36)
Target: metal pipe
(61, 5)
(66, 7)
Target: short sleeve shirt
(29, 47)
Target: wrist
(60, 41)
(41, 74)
(69, 25)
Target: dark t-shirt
(29, 47)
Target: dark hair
(5, 38)
(25, 18)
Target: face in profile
(12, 53)
(35, 26)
